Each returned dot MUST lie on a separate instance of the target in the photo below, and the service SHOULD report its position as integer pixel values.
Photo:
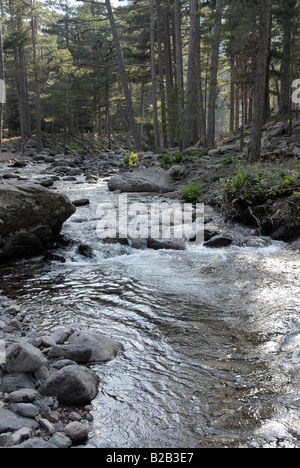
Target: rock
(6, 440)
(21, 435)
(78, 354)
(278, 129)
(12, 382)
(22, 244)
(72, 386)
(47, 183)
(10, 422)
(47, 426)
(85, 251)
(24, 207)
(165, 244)
(81, 202)
(103, 348)
(25, 395)
(51, 257)
(214, 152)
(35, 444)
(61, 335)
(176, 172)
(77, 432)
(23, 357)
(61, 440)
(222, 240)
(152, 179)
(63, 363)
(27, 410)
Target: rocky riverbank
(264, 197)
(46, 384)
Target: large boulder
(72, 386)
(30, 217)
(152, 179)
(10, 422)
(103, 348)
(23, 357)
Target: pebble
(77, 432)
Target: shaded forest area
(170, 72)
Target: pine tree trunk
(37, 78)
(161, 76)
(168, 68)
(191, 87)
(1, 78)
(122, 69)
(179, 67)
(213, 81)
(22, 89)
(260, 83)
(286, 67)
(153, 76)
(232, 94)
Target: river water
(211, 336)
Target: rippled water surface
(211, 337)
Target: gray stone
(23, 357)
(61, 440)
(22, 244)
(27, 410)
(77, 432)
(26, 395)
(61, 335)
(81, 202)
(103, 348)
(13, 382)
(35, 444)
(78, 354)
(222, 240)
(24, 207)
(72, 386)
(6, 440)
(152, 179)
(63, 363)
(47, 426)
(10, 422)
(166, 244)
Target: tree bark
(168, 68)
(37, 78)
(213, 81)
(161, 76)
(153, 76)
(122, 69)
(260, 83)
(191, 87)
(285, 70)
(179, 67)
(1, 78)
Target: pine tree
(260, 83)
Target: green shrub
(132, 159)
(192, 192)
(257, 183)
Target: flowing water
(211, 336)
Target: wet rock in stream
(43, 378)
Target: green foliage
(192, 192)
(258, 182)
(170, 159)
(132, 159)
